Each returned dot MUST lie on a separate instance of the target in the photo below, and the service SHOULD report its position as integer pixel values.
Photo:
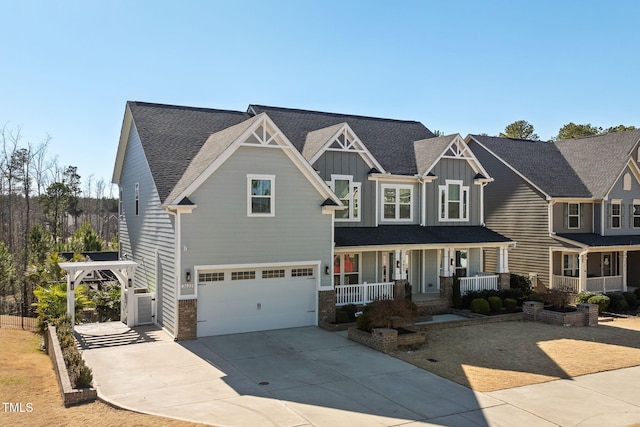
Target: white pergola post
(76, 271)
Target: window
(573, 215)
(349, 194)
(272, 274)
(346, 269)
(454, 201)
(210, 277)
(396, 202)
(137, 199)
(626, 181)
(616, 214)
(260, 200)
(570, 265)
(301, 272)
(243, 275)
(635, 211)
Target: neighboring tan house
(270, 218)
(572, 205)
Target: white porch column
(397, 265)
(624, 271)
(447, 259)
(582, 279)
(502, 256)
(403, 265)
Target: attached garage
(245, 299)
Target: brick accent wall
(398, 289)
(587, 314)
(187, 320)
(385, 339)
(504, 281)
(326, 306)
(446, 289)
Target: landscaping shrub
(495, 304)
(351, 310)
(80, 374)
(584, 296)
(632, 300)
(106, 301)
(535, 296)
(380, 314)
(52, 303)
(637, 292)
(456, 297)
(480, 306)
(510, 305)
(601, 300)
(617, 304)
(520, 283)
(558, 298)
(342, 316)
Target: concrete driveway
(311, 377)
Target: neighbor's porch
(594, 271)
(363, 277)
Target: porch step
(434, 306)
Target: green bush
(520, 283)
(510, 305)
(79, 374)
(495, 304)
(351, 310)
(342, 316)
(637, 292)
(632, 300)
(535, 296)
(584, 296)
(106, 301)
(480, 306)
(601, 300)
(617, 304)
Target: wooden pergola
(77, 271)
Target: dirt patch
(27, 377)
(503, 355)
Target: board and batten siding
(627, 197)
(452, 169)
(219, 231)
(515, 209)
(147, 238)
(345, 163)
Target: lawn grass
(510, 354)
(27, 377)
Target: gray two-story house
(266, 219)
(572, 205)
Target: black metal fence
(16, 315)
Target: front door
(606, 264)
(461, 263)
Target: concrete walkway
(311, 377)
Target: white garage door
(256, 299)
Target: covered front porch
(595, 270)
(398, 261)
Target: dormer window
(349, 194)
(454, 201)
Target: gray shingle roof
(389, 141)
(540, 162)
(172, 135)
(598, 160)
(427, 151)
(592, 239)
(415, 235)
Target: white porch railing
(604, 284)
(482, 282)
(566, 283)
(363, 293)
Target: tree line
(522, 129)
(45, 209)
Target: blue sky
(68, 67)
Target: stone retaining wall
(70, 395)
(586, 314)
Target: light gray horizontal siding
(560, 220)
(219, 232)
(150, 231)
(627, 197)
